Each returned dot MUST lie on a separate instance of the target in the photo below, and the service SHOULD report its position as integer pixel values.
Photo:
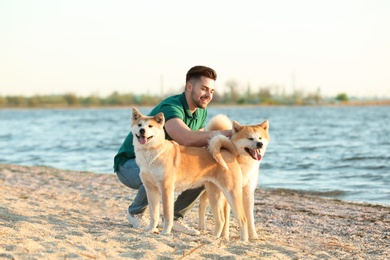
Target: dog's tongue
(142, 140)
(256, 155)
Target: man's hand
(183, 135)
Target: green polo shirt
(172, 107)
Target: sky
(95, 47)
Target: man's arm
(183, 135)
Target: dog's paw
(152, 230)
(202, 227)
(166, 232)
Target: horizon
(100, 47)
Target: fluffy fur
(167, 167)
(249, 144)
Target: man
(185, 117)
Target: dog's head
(251, 140)
(147, 129)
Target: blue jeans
(129, 173)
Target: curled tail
(219, 122)
(218, 141)
(216, 144)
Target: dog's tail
(219, 142)
(216, 144)
(219, 122)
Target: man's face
(202, 92)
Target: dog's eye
(250, 139)
(260, 138)
(139, 125)
(150, 126)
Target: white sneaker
(136, 220)
(180, 226)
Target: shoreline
(58, 214)
(323, 194)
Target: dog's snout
(259, 145)
(142, 131)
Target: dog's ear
(265, 125)
(159, 118)
(136, 114)
(236, 127)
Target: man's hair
(198, 71)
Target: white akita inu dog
(167, 167)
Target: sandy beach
(46, 213)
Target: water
(340, 152)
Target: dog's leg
(248, 201)
(203, 203)
(226, 207)
(153, 195)
(168, 207)
(232, 189)
(217, 203)
(231, 186)
(234, 198)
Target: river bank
(47, 213)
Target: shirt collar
(186, 107)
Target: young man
(185, 117)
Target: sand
(47, 213)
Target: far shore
(351, 103)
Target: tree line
(234, 96)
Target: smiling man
(185, 117)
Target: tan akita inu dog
(250, 143)
(167, 167)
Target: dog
(166, 167)
(250, 143)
